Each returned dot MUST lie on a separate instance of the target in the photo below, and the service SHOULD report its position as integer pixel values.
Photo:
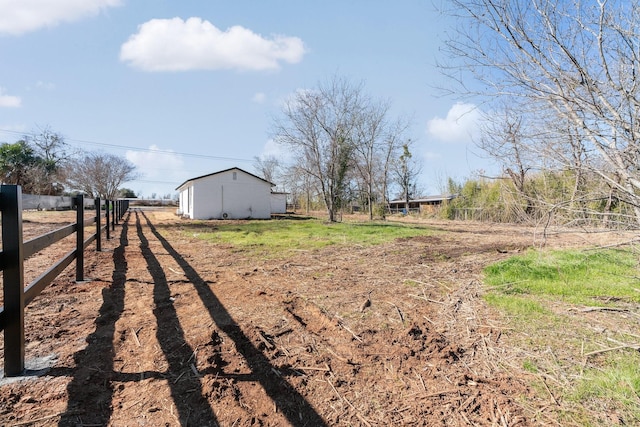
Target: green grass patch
(517, 306)
(541, 294)
(276, 238)
(578, 277)
(616, 382)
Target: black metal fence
(14, 252)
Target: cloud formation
(9, 101)
(22, 16)
(460, 125)
(157, 164)
(196, 44)
(259, 97)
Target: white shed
(278, 202)
(228, 194)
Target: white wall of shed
(239, 198)
(186, 201)
(278, 203)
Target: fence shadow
(90, 391)
(287, 399)
(186, 389)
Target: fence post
(107, 202)
(116, 211)
(98, 226)
(12, 251)
(113, 215)
(79, 238)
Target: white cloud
(158, 164)
(273, 149)
(460, 125)
(431, 155)
(45, 85)
(259, 98)
(9, 100)
(196, 44)
(21, 16)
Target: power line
(147, 150)
(145, 181)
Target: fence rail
(15, 251)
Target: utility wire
(128, 147)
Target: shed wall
(234, 193)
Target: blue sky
(185, 88)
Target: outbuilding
(421, 205)
(227, 194)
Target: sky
(186, 88)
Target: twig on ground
(337, 355)
(589, 309)
(195, 370)
(422, 283)
(264, 339)
(421, 380)
(429, 320)
(426, 299)
(179, 376)
(548, 390)
(341, 323)
(135, 336)
(398, 310)
(311, 368)
(193, 355)
(620, 347)
(175, 271)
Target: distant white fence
(31, 201)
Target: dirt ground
(171, 330)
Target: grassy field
(277, 239)
(574, 313)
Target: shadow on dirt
(186, 393)
(292, 404)
(91, 390)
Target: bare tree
(100, 175)
(268, 167)
(318, 127)
(503, 138)
(389, 155)
(578, 61)
(343, 140)
(376, 148)
(49, 145)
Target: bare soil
(172, 330)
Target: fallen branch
(620, 347)
(426, 299)
(589, 309)
(399, 312)
(337, 356)
(264, 339)
(135, 336)
(341, 323)
(195, 370)
(311, 368)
